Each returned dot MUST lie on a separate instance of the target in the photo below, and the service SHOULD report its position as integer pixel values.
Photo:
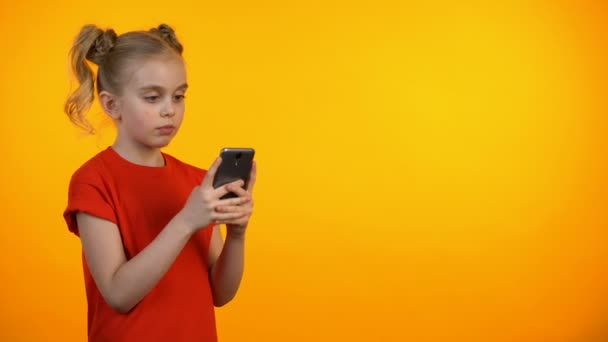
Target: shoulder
(189, 170)
(89, 192)
(90, 171)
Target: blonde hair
(111, 53)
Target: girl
(154, 260)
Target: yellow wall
(428, 171)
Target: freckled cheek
(143, 121)
(180, 109)
(141, 116)
(147, 114)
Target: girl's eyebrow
(160, 88)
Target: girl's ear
(110, 104)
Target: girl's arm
(226, 259)
(124, 283)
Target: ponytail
(92, 44)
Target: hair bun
(167, 33)
(102, 46)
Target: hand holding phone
(236, 164)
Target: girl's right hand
(199, 211)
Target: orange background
(428, 171)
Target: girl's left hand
(237, 227)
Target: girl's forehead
(167, 72)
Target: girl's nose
(168, 110)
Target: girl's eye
(179, 97)
(151, 98)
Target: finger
(228, 187)
(244, 221)
(252, 175)
(239, 183)
(224, 217)
(233, 209)
(221, 191)
(246, 205)
(237, 201)
(237, 189)
(208, 181)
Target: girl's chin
(158, 143)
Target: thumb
(208, 180)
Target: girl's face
(152, 102)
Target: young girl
(154, 260)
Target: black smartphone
(236, 164)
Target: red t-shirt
(141, 200)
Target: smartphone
(236, 164)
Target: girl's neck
(141, 156)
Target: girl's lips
(166, 130)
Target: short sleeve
(89, 197)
